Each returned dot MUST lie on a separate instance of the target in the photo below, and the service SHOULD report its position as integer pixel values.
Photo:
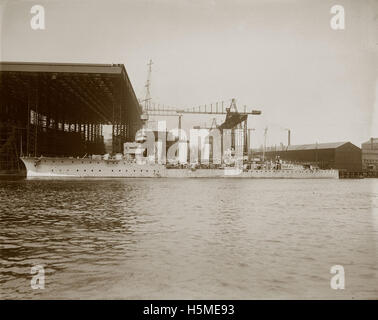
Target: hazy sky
(278, 56)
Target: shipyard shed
(59, 109)
(336, 155)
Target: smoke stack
(288, 137)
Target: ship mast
(147, 102)
(265, 134)
(147, 99)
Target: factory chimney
(288, 137)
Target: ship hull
(89, 168)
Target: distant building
(336, 155)
(370, 155)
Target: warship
(119, 168)
(133, 164)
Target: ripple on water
(188, 238)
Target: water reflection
(187, 238)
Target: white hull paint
(89, 168)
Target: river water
(188, 238)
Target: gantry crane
(234, 118)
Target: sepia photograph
(192, 150)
